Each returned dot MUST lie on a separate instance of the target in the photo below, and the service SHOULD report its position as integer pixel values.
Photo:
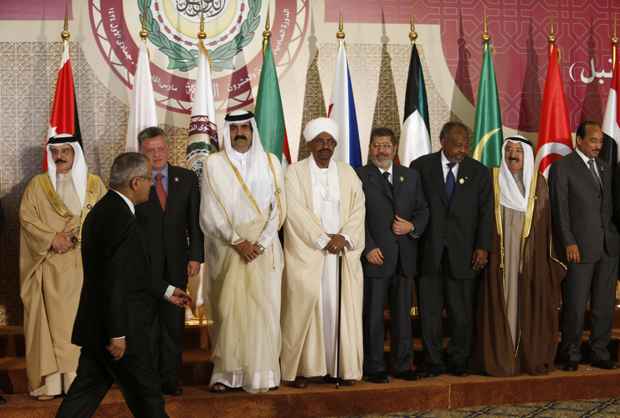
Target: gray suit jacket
(582, 211)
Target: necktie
(161, 192)
(386, 176)
(594, 173)
(450, 181)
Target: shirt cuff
(118, 338)
(322, 242)
(169, 292)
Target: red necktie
(161, 192)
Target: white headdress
(319, 125)
(510, 194)
(79, 170)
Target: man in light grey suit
(582, 209)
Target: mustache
(238, 137)
(60, 160)
(513, 159)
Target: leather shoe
(379, 377)
(460, 371)
(406, 375)
(172, 391)
(570, 366)
(605, 364)
(2, 400)
(299, 383)
(429, 371)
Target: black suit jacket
(118, 295)
(582, 211)
(460, 225)
(174, 236)
(405, 199)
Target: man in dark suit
(171, 223)
(454, 247)
(118, 300)
(582, 209)
(396, 216)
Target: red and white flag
(64, 116)
(611, 121)
(554, 135)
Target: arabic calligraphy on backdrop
(588, 73)
(210, 8)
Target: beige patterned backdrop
(27, 78)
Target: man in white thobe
(242, 208)
(324, 238)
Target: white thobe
(326, 205)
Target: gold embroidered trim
(244, 186)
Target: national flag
(488, 136)
(269, 112)
(142, 113)
(342, 111)
(415, 139)
(202, 139)
(554, 135)
(611, 120)
(64, 114)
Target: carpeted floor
(570, 409)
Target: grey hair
(127, 166)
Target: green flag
(488, 136)
(269, 113)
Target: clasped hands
(63, 242)
(336, 243)
(248, 250)
(400, 226)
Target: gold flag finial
(143, 32)
(267, 31)
(65, 34)
(202, 35)
(552, 38)
(413, 35)
(340, 33)
(485, 29)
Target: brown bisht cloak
(539, 294)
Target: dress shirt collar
(584, 157)
(129, 203)
(163, 172)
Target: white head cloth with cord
(510, 194)
(79, 170)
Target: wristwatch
(261, 249)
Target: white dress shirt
(586, 159)
(444, 167)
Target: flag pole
(413, 35)
(340, 34)
(486, 37)
(614, 45)
(267, 31)
(65, 34)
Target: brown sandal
(219, 388)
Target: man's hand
(572, 254)
(116, 348)
(193, 267)
(401, 226)
(336, 244)
(479, 259)
(247, 250)
(62, 242)
(375, 256)
(180, 298)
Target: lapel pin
(461, 180)
(176, 179)
(402, 179)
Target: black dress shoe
(406, 375)
(429, 371)
(460, 371)
(379, 377)
(570, 366)
(605, 364)
(172, 391)
(2, 400)
(298, 383)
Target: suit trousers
(167, 335)
(458, 295)
(596, 281)
(376, 291)
(97, 371)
